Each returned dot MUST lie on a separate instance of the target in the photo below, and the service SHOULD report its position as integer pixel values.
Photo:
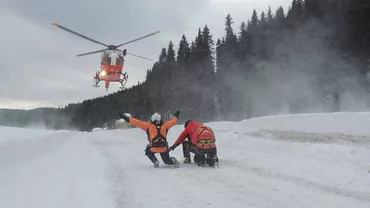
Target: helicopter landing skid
(123, 81)
(96, 82)
(123, 86)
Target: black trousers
(164, 155)
(201, 155)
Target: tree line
(312, 58)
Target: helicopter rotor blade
(93, 52)
(82, 36)
(145, 36)
(140, 56)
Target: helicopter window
(119, 61)
(107, 53)
(108, 61)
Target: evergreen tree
(313, 9)
(229, 29)
(244, 42)
(263, 21)
(163, 55)
(170, 53)
(358, 18)
(270, 17)
(183, 51)
(280, 16)
(254, 19)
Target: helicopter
(111, 61)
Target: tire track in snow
(118, 163)
(117, 177)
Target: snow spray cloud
(303, 75)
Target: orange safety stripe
(158, 149)
(204, 128)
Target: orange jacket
(151, 129)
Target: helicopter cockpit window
(105, 60)
(110, 59)
(106, 53)
(119, 61)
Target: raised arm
(141, 124)
(169, 124)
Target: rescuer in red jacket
(202, 143)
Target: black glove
(177, 114)
(124, 117)
(174, 146)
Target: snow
(12, 133)
(307, 160)
(121, 121)
(98, 129)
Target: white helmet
(156, 118)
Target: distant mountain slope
(52, 118)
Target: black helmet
(187, 123)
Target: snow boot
(212, 161)
(202, 162)
(175, 162)
(197, 158)
(215, 165)
(187, 160)
(156, 164)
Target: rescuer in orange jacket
(156, 131)
(202, 143)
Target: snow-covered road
(266, 162)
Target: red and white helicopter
(112, 60)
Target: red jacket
(195, 131)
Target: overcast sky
(39, 66)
